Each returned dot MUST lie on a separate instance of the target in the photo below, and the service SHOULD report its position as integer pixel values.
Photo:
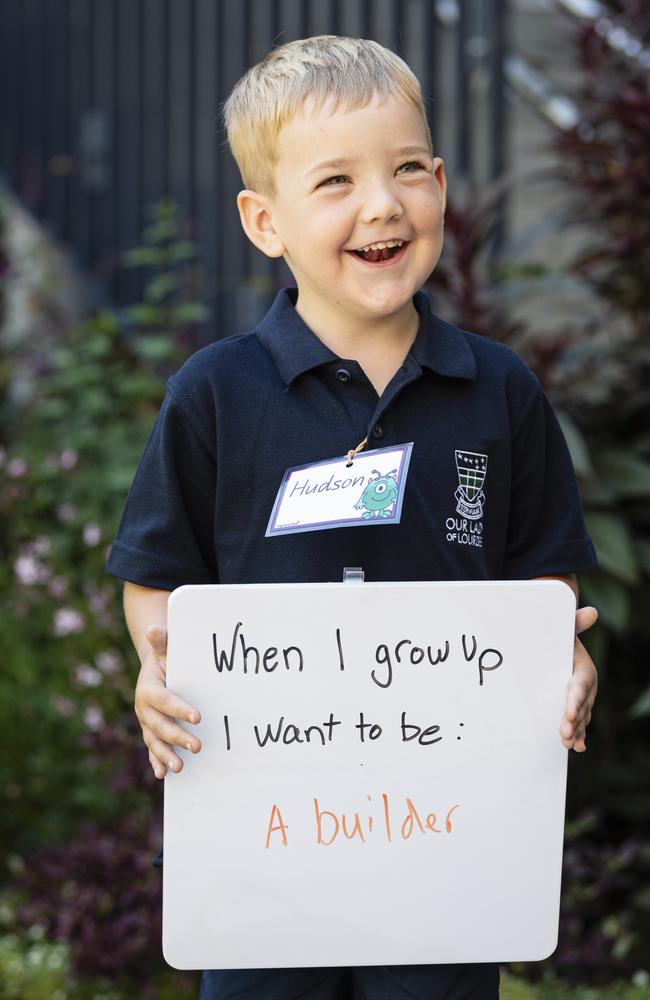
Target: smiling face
(358, 210)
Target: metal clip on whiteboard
(353, 574)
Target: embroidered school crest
(472, 470)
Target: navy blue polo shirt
(243, 410)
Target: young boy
(332, 142)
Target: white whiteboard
(479, 881)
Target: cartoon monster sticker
(378, 495)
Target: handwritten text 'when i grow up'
(249, 659)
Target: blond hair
(348, 71)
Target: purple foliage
(100, 892)
(458, 282)
(606, 161)
(604, 920)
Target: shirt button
(378, 431)
(343, 375)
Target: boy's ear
(257, 223)
(441, 180)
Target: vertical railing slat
(128, 140)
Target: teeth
(382, 246)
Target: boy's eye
(334, 181)
(411, 167)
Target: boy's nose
(380, 203)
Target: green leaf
(145, 314)
(584, 824)
(163, 229)
(641, 706)
(143, 257)
(624, 472)
(576, 444)
(614, 546)
(189, 312)
(160, 287)
(164, 208)
(105, 322)
(183, 250)
(596, 494)
(643, 551)
(609, 596)
(156, 347)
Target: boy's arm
(157, 708)
(583, 685)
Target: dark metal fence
(106, 105)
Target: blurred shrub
(79, 818)
(33, 968)
(98, 893)
(598, 375)
(62, 483)
(605, 920)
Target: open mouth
(376, 253)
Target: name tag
(333, 494)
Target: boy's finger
(583, 717)
(172, 734)
(574, 728)
(576, 697)
(170, 704)
(585, 618)
(158, 768)
(156, 636)
(575, 741)
(162, 752)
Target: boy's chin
(387, 301)
(382, 309)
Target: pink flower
(98, 597)
(64, 706)
(41, 546)
(92, 535)
(58, 587)
(16, 468)
(94, 718)
(68, 458)
(27, 570)
(87, 676)
(67, 621)
(109, 662)
(66, 512)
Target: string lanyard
(355, 451)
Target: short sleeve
(166, 534)
(546, 530)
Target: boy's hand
(158, 709)
(581, 689)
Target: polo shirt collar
(440, 346)
(295, 349)
(292, 346)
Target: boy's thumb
(156, 636)
(585, 618)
